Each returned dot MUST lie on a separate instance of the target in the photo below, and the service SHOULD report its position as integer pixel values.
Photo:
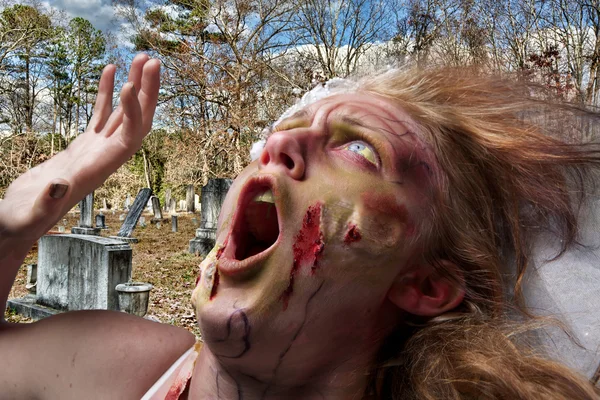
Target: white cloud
(99, 12)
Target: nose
(283, 152)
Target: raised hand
(39, 198)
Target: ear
(424, 292)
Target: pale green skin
(338, 315)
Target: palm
(27, 211)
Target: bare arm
(39, 198)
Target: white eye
(364, 150)
(357, 147)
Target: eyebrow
(353, 121)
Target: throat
(259, 230)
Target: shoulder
(114, 355)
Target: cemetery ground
(161, 258)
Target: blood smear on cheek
(308, 247)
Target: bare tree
(334, 35)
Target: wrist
(12, 249)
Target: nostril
(265, 158)
(287, 161)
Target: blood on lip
(308, 247)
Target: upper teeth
(265, 197)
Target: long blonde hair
(512, 163)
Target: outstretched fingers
(148, 95)
(131, 129)
(103, 106)
(144, 74)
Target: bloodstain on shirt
(308, 247)
(353, 234)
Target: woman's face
(313, 234)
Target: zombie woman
(373, 250)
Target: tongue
(261, 219)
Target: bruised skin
(345, 233)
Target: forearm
(12, 254)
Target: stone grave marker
(86, 207)
(167, 199)
(101, 221)
(104, 205)
(172, 206)
(127, 202)
(76, 272)
(197, 203)
(189, 199)
(182, 205)
(156, 208)
(133, 216)
(173, 223)
(213, 195)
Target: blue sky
(99, 12)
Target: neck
(215, 380)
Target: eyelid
(349, 136)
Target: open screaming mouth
(255, 228)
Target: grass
(161, 258)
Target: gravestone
(213, 195)
(189, 199)
(31, 278)
(104, 205)
(172, 206)
(101, 221)
(197, 205)
(167, 199)
(127, 202)
(182, 205)
(156, 208)
(86, 208)
(133, 216)
(173, 223)
(76, 272)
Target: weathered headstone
(189, 198)
(31, 284)
(127, 202)
(182, 205)
(167, 199)
(156, 208)
(133, 216)
(76, 272)
(101, 221)
(86, 208)
(104, 205)
(213, 195)
(197, 206)
(173, 223)
(172, 206)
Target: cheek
(383, 223)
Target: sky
(99, 12)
